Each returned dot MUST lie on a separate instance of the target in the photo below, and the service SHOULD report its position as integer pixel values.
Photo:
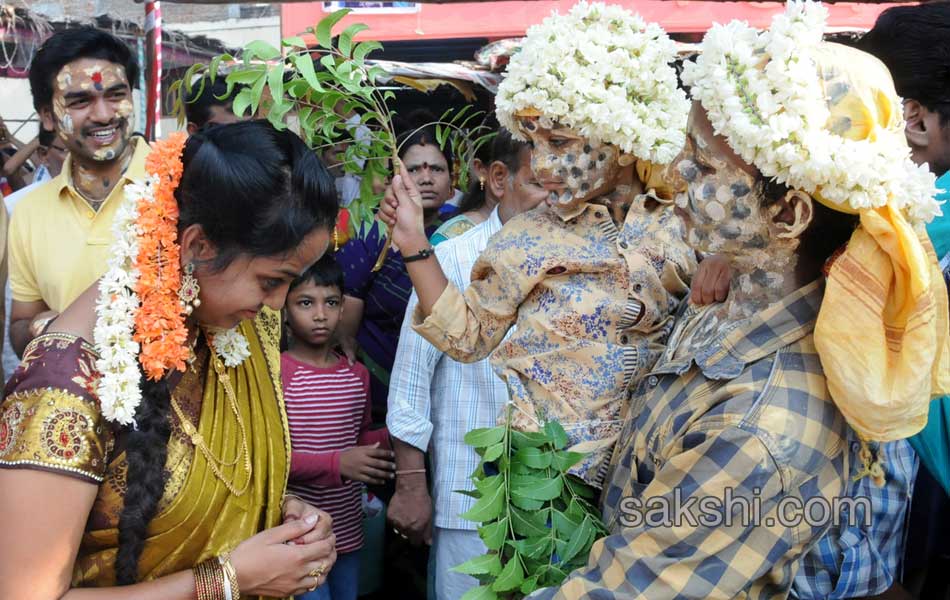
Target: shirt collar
(781, 324)
(570, 212)
(494, 221)
(140, 150)
(575, 210)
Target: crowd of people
(724, 275)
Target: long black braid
(146, 450)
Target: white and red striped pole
(153, 95)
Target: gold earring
(336, 239)
(481, 183)
(188, 292)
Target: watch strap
(421, 255)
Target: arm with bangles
(37, 557)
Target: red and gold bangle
(209, 580)
(230, 575)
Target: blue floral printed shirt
(591, 304)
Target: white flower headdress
(763, 92)
(605, 72)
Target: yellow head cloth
(825, 119)
(882, 328)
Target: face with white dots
(722, 206)
(572, 168)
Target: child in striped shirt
(328, 408)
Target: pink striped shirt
(328, 411)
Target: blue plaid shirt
(853, 561)
(750, 416)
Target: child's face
(572, 168)
(313, 312)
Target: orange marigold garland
(139, 319)
(160, 321)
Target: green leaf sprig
(537, 521)
(317, 91)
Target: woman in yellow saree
(144, 448)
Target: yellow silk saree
(50, 420)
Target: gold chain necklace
(198, 441)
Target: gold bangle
(209, 580)
(231, 574)
(201, 582)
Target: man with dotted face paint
(734, 457)
(589, 281)
(81, 80)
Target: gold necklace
(198, 441)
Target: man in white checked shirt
(434, 400)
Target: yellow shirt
(58, 244)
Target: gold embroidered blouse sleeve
(50, 419)
(53, 430)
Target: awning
(498, 20)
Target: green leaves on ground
(535, 518)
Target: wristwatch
(421, 255)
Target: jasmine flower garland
(118, 387)
(605, 72)
(763, 93)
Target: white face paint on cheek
(124, 109)
(725, 211)
(66, 124)
(586, 172)
(64, 79)
(715, 211)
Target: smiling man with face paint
(588, 282)
(60, 233)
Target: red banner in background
(495, 20)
